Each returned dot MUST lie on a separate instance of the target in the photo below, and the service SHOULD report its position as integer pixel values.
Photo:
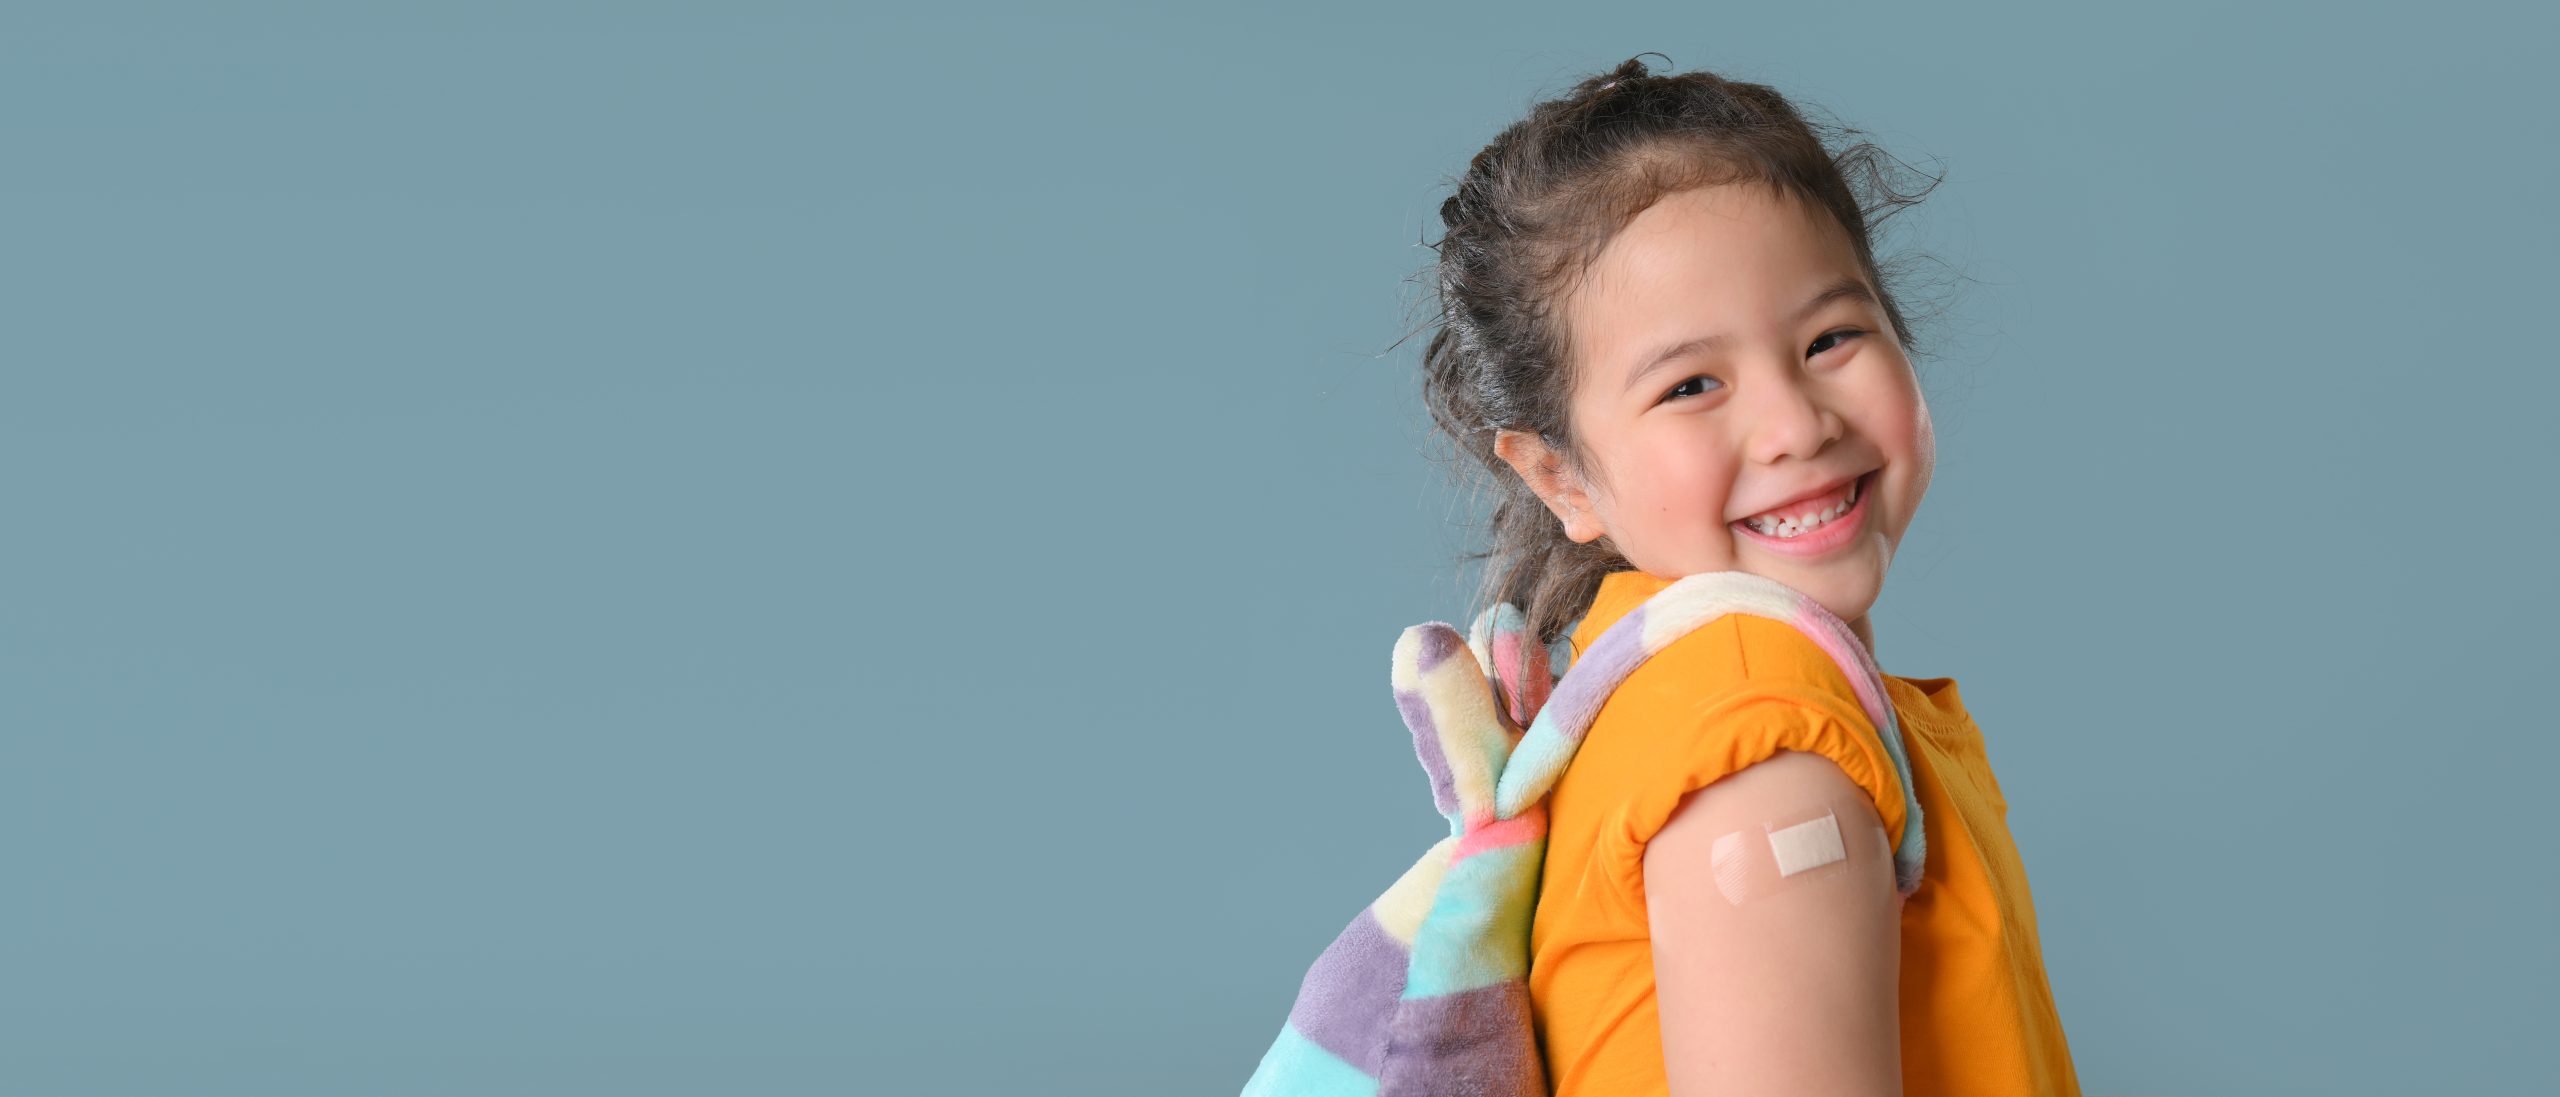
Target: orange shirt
(1977, 1015)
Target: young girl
(1668, 342)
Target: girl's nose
(1790, 419)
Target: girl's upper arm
(1776, 964)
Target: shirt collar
(1619, 593)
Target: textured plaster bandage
(1791, 851)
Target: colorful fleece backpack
(1427, 992)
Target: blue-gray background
(803, 549)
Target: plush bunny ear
(1521, 670)
(1458, 729)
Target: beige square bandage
(1810, 844)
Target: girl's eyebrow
(1849, 286)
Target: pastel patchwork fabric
(1426, 992)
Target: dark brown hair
(1533, 212)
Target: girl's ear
(1543, 469)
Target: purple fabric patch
(1615, 655)
(1350, 993)
(1426, 746)
(1473, 1043)
(1439, 641)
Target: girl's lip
(1833, 534)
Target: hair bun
(1633, 68)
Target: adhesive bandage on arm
(1795, 849)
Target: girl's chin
(1835, 584)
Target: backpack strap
(1564, 712)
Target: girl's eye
(1844, 335)
(1683, 389)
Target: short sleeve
(1719, 700)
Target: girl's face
(1729, 358)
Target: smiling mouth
(1821, 535)
(1851, 503)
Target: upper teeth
(1791, 525)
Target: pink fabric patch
(1527, 826)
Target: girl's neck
(1866, 635)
